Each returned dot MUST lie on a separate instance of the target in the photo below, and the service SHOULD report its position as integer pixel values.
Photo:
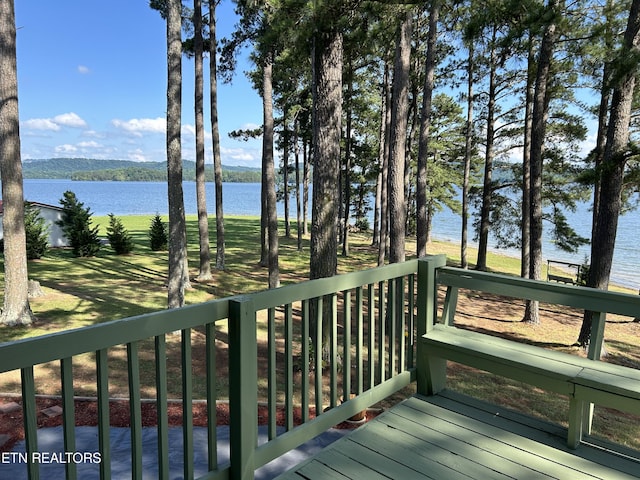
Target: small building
(51, 214)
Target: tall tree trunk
(215, 136)
(346, 184)
(398, 138)
(468, 155)
(285, 170)
(201, 190)
(327, 115)
(487, 189)
(178, 271)
(268, 168)
(538, 130)
(296, 155)
(305, 187)
(16, 309)
(613, 163)
(525, 248)
(380, 230)
(425, 123)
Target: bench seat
(585, 381)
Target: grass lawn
(86, 291)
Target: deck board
(446, 437)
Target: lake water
(138, 198)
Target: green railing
(368, 353)
(272, 343)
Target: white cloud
(89, 144)
(83, 69)
(41, 124)
(66, 148)
(70, 119)
(56, 123)
(136, 126)
(242, 155)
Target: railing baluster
(305, 361)
(272, 385)
(102, 371)
(334, 351)
(160, 342)
(393, 321)
(346, 347)
(411, 322)
(288, 346)
(134, 410)
(371, 335)
(359, 340)
(318, 352)
(29, 420)
(382, 334)
(187, 403)
(212, 397)
(68, 414)
(401, 329)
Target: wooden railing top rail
(69, 343)
(330, 285)
(568, 295)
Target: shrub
(76, 225)
(118, 236)
(158, 238)
(37, 232)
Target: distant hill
(125, 170)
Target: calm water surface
(138, 198)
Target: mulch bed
(86, 414)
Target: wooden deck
(453, 437)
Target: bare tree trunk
(178, 271)
(201, 190)
(269, 172)
(346, 183)
(614, 161)
(298, 192)
(327, 116)
(538, 130)
(525, 249)
(16, 309)
(306, 154)
(384, 168)
(215, 136)
(398, 138)
(285, 170)
(468, 155)
(425, 123)
(487, 189)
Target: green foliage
(37, 232)
(158, 238)
(119, 238)
(76, 225)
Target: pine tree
(76, 225)
(119, 238)
(37, 232)
(157, 234)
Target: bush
(76, 225)
(37, 232)
(158, 238)
(118, 236)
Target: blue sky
(92, 84)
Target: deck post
(243, 379)
(431, 372)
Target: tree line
(411, 104)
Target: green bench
(586, 381)
(583, 380)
